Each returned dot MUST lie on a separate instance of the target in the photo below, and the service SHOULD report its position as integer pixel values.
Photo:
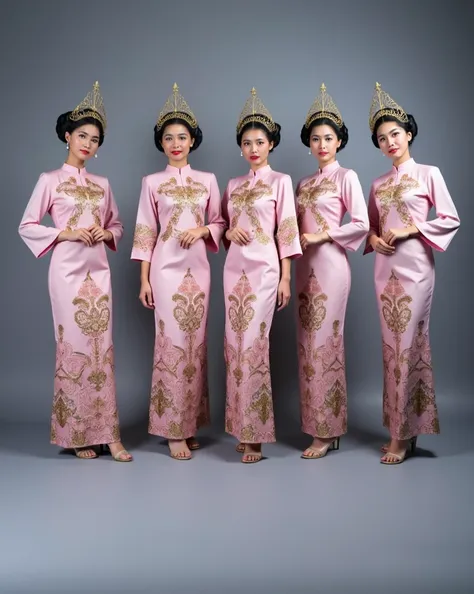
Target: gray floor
(213, 525)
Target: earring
(309, 152)
(67, 146)
(241, 154)
(95, 156)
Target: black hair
(196, 133)
(410, 126)
(65, 124)
(342, 132)
(274, 136)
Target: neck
(178, 164)
(255, 168)
(326, 163)
(75, 162)
(405, 157)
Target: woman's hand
(308, 239)
(83, 235)
(380, 246)
(393, 235)
(238, 236)
(146, 295)
(99, 234)
(190, 236)
(284, 293)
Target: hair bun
(62, 124)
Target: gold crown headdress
(92, 106)
(176, 107)
(324, 107)
(382, 105)
(255, 111)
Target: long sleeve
(215, 222)
(146, 229)
(225, 216)
(439, 232)
(351, 235)
(112, 220)
(374, 220)
(39, 238)
(287, 235)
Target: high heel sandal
(257, 456)
(193, 443)
(321, 452)
(240, 448)
(104, 447)
(384, 448)
(78, 452)
(399, 458)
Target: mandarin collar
(177, 170)
(75, 170)
(405, 166)
(260, 173)
(329, 168)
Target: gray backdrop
(53, 51)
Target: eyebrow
(94, 136)
(396, 128)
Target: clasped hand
(189, 237)
(307, 239)
(89, 236)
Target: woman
(323, 275)
(85, 219)
(175, 276)
(403, 239)
(256, 206)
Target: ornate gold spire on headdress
(176, 107)
(383, 104)
(92, 106)
(324, 107)
(255, 111)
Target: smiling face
(256, 147)
(393, 141)
(177, 143)
(83, 142)
(324, 144)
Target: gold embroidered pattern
(92, 317)
(287, 231)
(184, 197)
(189, 313)
(307, 198)
(144, 238)
(243, 200)
(262, 404)
(176, 395)
(312, 313)
(390, 196)
(86, 197)
(241, 313)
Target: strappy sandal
(399, 458)
(117, 457)
(240, 448)
(256, 457)
(79, 451)
(179, 455)
(320, 452)
(193, 443)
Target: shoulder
(428, 171)
(98, 179)
(237, 181)
(347, 174)
(382, 178)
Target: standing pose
(260, 212)
(323, 275)
(175, 276)
(85, 219)
(403, 238)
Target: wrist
(205, 232)
(285, 278)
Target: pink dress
(262, 204)
(323, 280)
(404, 284)
(84, 406)
(177, 200)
